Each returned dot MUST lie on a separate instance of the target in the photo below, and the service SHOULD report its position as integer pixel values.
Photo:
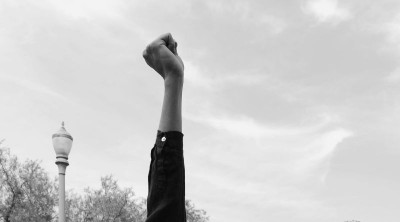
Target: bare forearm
(162, 56)
(171, 114)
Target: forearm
(171, 114)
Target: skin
(162, 56)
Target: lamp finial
(62, 124)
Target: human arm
(162, 56)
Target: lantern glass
(62, 142)
(62, 146)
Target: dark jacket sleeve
(166, 198)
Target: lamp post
(62, 143)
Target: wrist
(173, 80)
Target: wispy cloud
(34, 86)
(89, 9)
(314, 141)
(248, 127)
(280, 161)
(276, 24)
(327, 11)
(391, 31)
(307, 144)
(394, 76)
(321, 148)
(247, 13)
(201, 78)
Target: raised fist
(162, 56)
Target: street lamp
(62, 143)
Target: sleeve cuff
(169, 134)
(172, 139)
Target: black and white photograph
(199, 111)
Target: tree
(109, 203)
(193, 214)
(26, 192)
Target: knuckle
(147, 52)
(150, 48)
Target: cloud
(321, 148)
(393, 77)
(327, 11)
(201, 78)
(247, 13)
(89, 9)
(242, 125)
(34, 86)
(276, 24)
(297, 151)
(391, 31)
(248, 127)
(279, 166)
(75, 9)
(302, 147)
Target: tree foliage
(109, 203)
(193, 214)
(112, 203)
(26, 192)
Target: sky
(290, 108)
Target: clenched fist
(162, 56)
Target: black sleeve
(166, 198)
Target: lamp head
(62, 143)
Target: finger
(147, 57)
(171, 44)
(167, 40)
(145, 54)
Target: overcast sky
(291, 108)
